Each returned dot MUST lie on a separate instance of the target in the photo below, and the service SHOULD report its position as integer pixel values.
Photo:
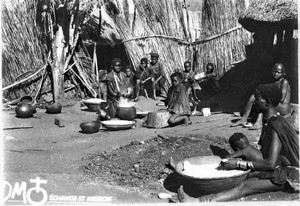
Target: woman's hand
(229, 164)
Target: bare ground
(58, 154)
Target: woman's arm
(284, 89)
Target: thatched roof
(262, 13)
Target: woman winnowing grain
(278, 138)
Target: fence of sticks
(199, 31)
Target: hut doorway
(105, 53)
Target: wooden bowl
(94, 104)
(53, 108)
(90, 127)
(209, 185)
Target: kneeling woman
(177, 102)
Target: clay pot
(24, 110)
(126, 113)
(90, 127)
(53, 108)
(28, 100)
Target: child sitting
(240, 144)
(177, 102)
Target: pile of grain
(206, 171)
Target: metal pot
(24, 110)
(126, 113)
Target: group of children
(179, 98)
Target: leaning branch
(25, 79)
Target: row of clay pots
(27, 107)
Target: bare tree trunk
(58, 65)
(59, 49)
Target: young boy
(157, 72)
(283, 107)
(189, 82)
(177, 102)
(129, 75)
(240, 144)
(141, 77)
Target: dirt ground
(57, 154)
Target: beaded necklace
(274, 115)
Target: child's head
(176, 78)
(116, 64)
(144, 62)
(128, 71)
(278, 71)
(187, 66)
(210, 68)
(154, 57)
(267, 95)
(238, 141)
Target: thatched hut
(274, 24)
(269, 19)
(201, 31)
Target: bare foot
(183, 197)
(241, 122)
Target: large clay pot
(126, 113)
(24, 110)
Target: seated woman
(117, 85)
(268, 174)
(283, 107)
(177, 102)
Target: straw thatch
(33, 53)
(23, 52)
(178, 31)
(198, 30)
(265, 13)
(228, 39)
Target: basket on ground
(209, 181)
